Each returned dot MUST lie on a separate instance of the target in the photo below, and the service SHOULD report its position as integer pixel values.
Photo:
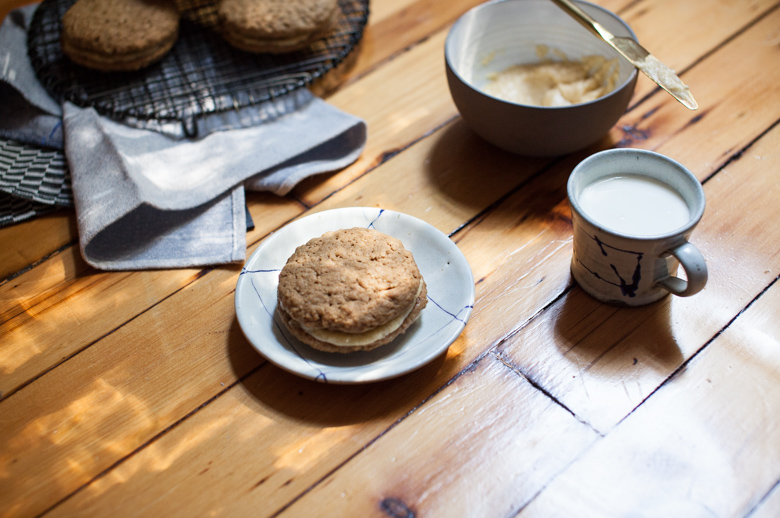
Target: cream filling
(119, 56)
(342, 339)
(285, 42)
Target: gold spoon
(662, 75)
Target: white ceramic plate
(446, 272)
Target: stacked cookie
(350, 290)
(111, 35)
(276, 26)
(114, 35)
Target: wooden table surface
(136, 393)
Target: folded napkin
(148, 197)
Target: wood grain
(57, 321)
(135, 393)
(404, 24)
(695, 448)
(290, 431)
(53, 232)
(514, 441)
(646, 343)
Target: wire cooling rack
(201, 75)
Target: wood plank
(507, 305)
(51, 233)
(605, 361)
(516, 434)
(58, 320)
(723, 94)
(21, 293)
(394, 26)
(646, 15)
(380, 464)
(28, 299)
(679, 33)
(534, 251)
(395, 116)
(127, 427)
(438, 463)
(642, 15)
(203, 381)
(111, 399)
(174, 371)
(505, 290)
(397, 25)
(523, 341)
(707, 444)
(553, 367)
(62, 307)
(441, 179)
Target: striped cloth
(33, 181)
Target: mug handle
(695, 269)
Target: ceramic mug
(631, 258)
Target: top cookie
(350, 280)
(119, 34)
(275, 25)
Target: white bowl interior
(499, 34)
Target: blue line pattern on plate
(281, 330)
(244, 270)
(371, 224)
(453, 315)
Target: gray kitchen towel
(152, 199)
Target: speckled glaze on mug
(629, 270)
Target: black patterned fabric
(15, 210)
(33, 181)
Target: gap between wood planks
(454, 235)
(490, 351)
(466, 369)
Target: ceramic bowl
(496, 35)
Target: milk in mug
(635, 205)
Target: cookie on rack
(350, 290)
(119, 35)
(276, 26)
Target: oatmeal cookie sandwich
(350, 290)
(276, 26)
(119, 35)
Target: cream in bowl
(554, 82)
(571, 86)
